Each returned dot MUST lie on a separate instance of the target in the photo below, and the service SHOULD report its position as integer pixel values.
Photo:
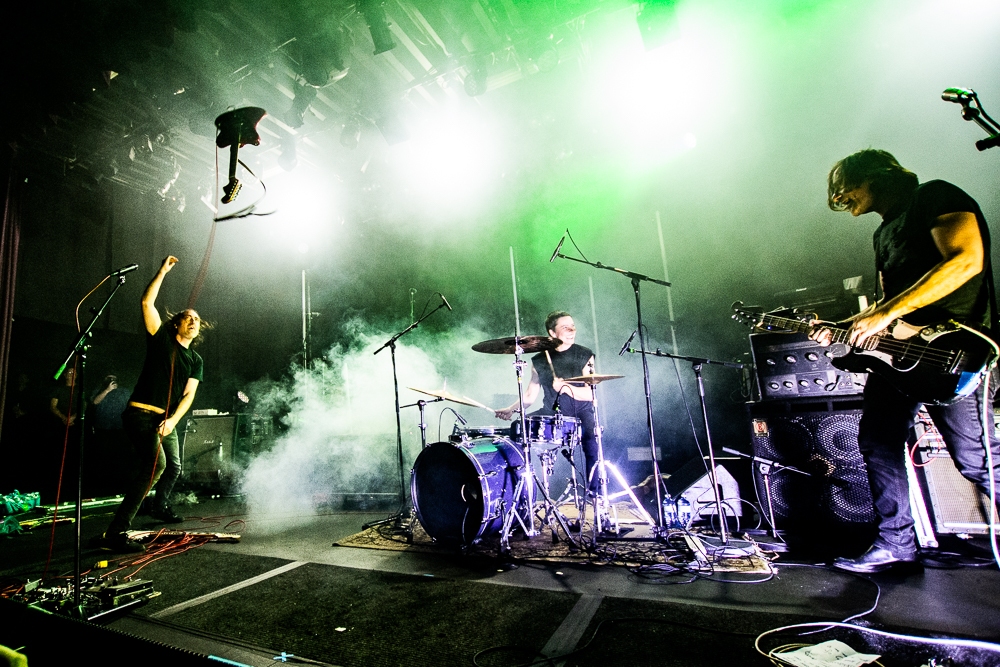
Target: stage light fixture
(545, 55)
(378, 24)
(476, 79)
(304, 96)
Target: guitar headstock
(751, 316)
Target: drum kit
(482, 481)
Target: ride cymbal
(508, 345)
(592, 379)
(446, 395)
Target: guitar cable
(990, 472)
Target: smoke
(338, 419)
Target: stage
(287, 590)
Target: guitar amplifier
(207, 453)
(791, 366)
(957, 506)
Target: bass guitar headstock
(751, 316)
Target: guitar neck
(798, 326)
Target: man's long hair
(174, 321)
(889, 182)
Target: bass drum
(459, 490)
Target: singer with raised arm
(932, 252)
(162, 396)
(548, 369)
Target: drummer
(547, 370)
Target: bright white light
(651, 103)
(450, 162)
(306, 208)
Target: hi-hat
(509, 345)
(592, 379)
(446, 395)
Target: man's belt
(146, 407)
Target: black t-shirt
(163, 354)
(905, 251)
(567, 364)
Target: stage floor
(286, 589)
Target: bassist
(932, 253)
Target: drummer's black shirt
(566, 364)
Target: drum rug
(635, 549)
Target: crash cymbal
(448, 396)
(528, 344)
(593, 379)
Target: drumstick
(553, 368)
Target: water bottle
(669, 512)
(683, 512)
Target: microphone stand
(636, 279)
(696, 364)
(397, 518)
(79, 349)
(766, 467)
(979, 116)
(421, 404)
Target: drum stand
(526, 485)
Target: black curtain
(10, 241)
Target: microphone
(124, 270)
(628, 342)
(445, 301)
(555, 404)
(558, 248)
(462, 420)
(960, 95)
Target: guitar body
(938, 364)
(965, 357)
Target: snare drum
(464, 434)
(459, 491)
(550, 431)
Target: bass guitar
(938, 364)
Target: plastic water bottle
(683, 512)
(669, 512)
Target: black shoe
(166, 515)
(117, 543)
(875, 559)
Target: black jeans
(885, 424)
(158, 462)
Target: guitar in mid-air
(938, 364)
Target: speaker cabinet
(820, 438)
(957, 506)
(208, 450)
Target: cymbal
(506, 345)
(446, 395)
(592, 379)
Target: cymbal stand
(603, 498)
(529, 488)
(636, 279)
(696, 364)
(421, 404)
(532, 480)
(403, 518)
